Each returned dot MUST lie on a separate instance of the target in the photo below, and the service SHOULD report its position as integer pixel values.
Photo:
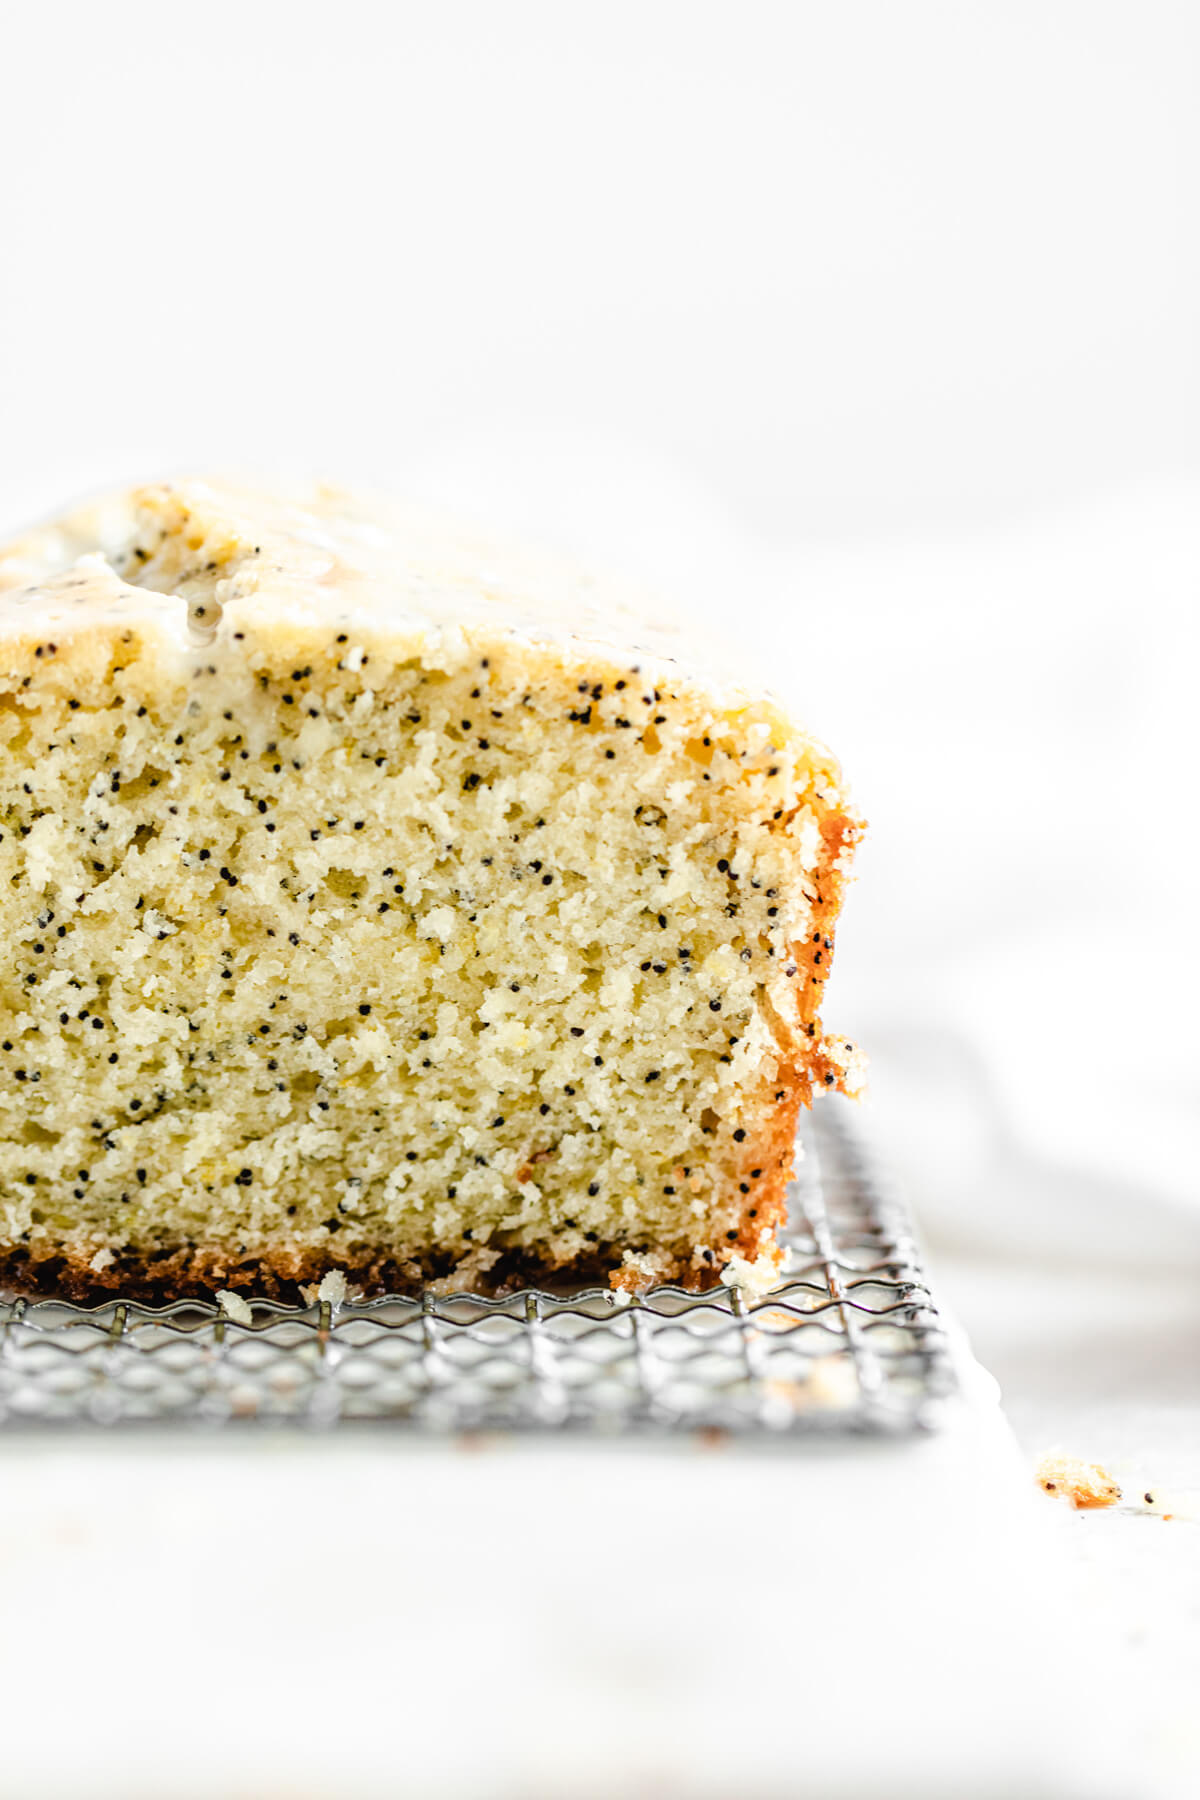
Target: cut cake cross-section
(380, 900)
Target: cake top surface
(196, 564)
(313, 552)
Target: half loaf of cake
(377, 900)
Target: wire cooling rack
(848, 1341)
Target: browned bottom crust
(164, 1276)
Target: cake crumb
(234, 1307)
(1086, 1485)
(333, 1288)
(640, 1271)
(102, 1260)
(832, 1385)
(754, 1279)
(1167, 1504)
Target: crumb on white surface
(1168, 1503)
(234, 1307)
(1084, 1484)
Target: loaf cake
(380, 900)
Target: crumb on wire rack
(234, 1307)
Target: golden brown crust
(811, 1067)
(840, 833)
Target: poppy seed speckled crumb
(307, 972)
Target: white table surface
(366, 1614)
(1106, 1367)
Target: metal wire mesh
(848, 1341)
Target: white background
(871, 328)
(856, 268)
